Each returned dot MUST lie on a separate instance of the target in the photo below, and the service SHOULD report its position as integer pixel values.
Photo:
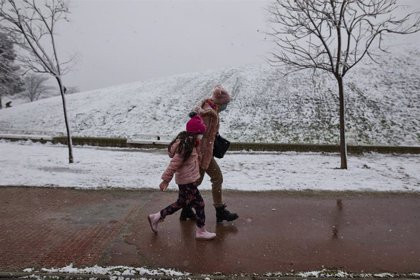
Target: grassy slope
(383, 105)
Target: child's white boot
(203, 234)
(154, 219)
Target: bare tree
(33, 25)
(35, 86)
(334, 36)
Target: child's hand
(163, 186)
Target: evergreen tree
(10, 81)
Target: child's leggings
(188, 195)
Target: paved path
(276, 231)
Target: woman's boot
(187, 213)
(223, 214)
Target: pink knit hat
(220, 95)
(195, 124)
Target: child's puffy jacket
(185, 172)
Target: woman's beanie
(220, 95)
(195, 124)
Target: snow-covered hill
(383, 105)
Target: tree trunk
(69, 141)
(1, 104)
(343, 146)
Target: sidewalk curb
(37, 275)
(41, 275)
(290, 192)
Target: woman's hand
(163, 186)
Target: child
(185, 164)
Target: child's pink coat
(185, 172)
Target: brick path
(277, 231)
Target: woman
(209, 110)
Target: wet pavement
(276, 231)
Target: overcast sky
(122, 41)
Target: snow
(119, 272)
(382, 106)
(116, 270)
(33, 164)
(325, 273)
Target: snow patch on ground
(325, 273)
(34, 164)
(116, 271)
(120, 272)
